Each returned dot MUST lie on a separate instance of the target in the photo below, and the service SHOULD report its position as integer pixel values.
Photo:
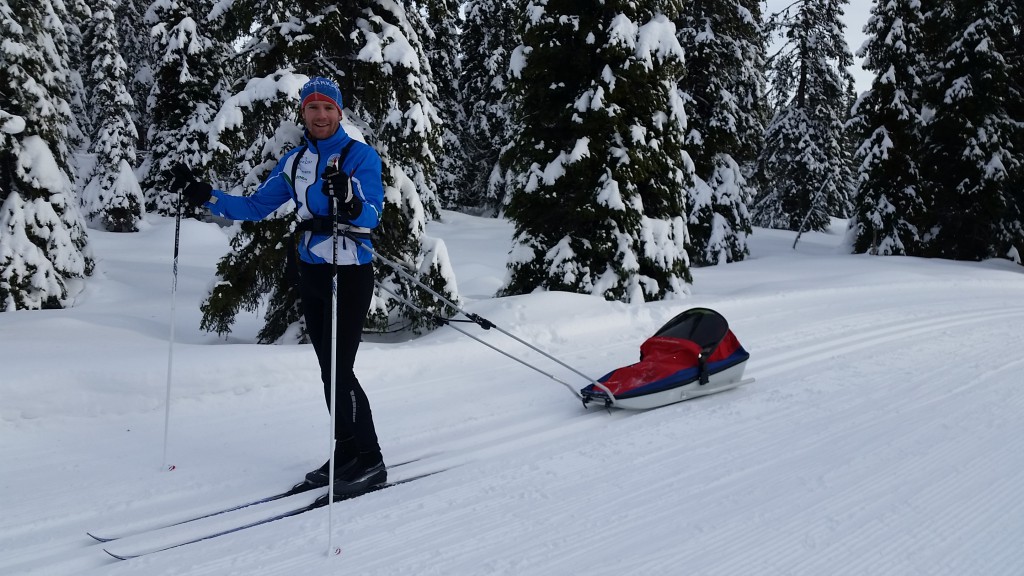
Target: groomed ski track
(884, 436)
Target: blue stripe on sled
(680, 378)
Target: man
(329, 164)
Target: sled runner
(694, 354)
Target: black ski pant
(353, 429)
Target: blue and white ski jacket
(361, 163)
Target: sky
(855, 15)
(881, 436)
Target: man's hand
(196, 193)
(338, 185)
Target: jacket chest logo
(307, 167)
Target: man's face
(322, 119)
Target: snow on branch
(657, 40)
(556, 168)
(11, 124)
(268, 88)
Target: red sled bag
(694, 354)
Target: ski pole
(483, 323)
(170, 339)
(334, 363)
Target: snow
(556, 168)
(11, 124)
(882, 436)
(40, 167)
(656, 40)
(231, 114)
(622, 32)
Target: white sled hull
(725, 380)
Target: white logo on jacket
(321, 246)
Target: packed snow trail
(882, 437)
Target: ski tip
(99, 538)
(126, 557)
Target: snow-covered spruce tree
(372, 49)
(188, 83)
(437, 25)
(491, 33)
(76, 16)
(1016, 108)
(803, 171)
(725, 82)
(849, 144)
(368, 50)
(597, 169)
(890, 201)
(781, 66)
(112, 197)
(133, 35)
(43, 242)
(392, 96)
(968, 155)
(255, 128)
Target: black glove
(196, 193)
(338, 185)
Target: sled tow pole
(481, 322)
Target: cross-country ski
(128, 552)
(299, 488)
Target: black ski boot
(346, 454)
(319, 477)
(364, 476)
